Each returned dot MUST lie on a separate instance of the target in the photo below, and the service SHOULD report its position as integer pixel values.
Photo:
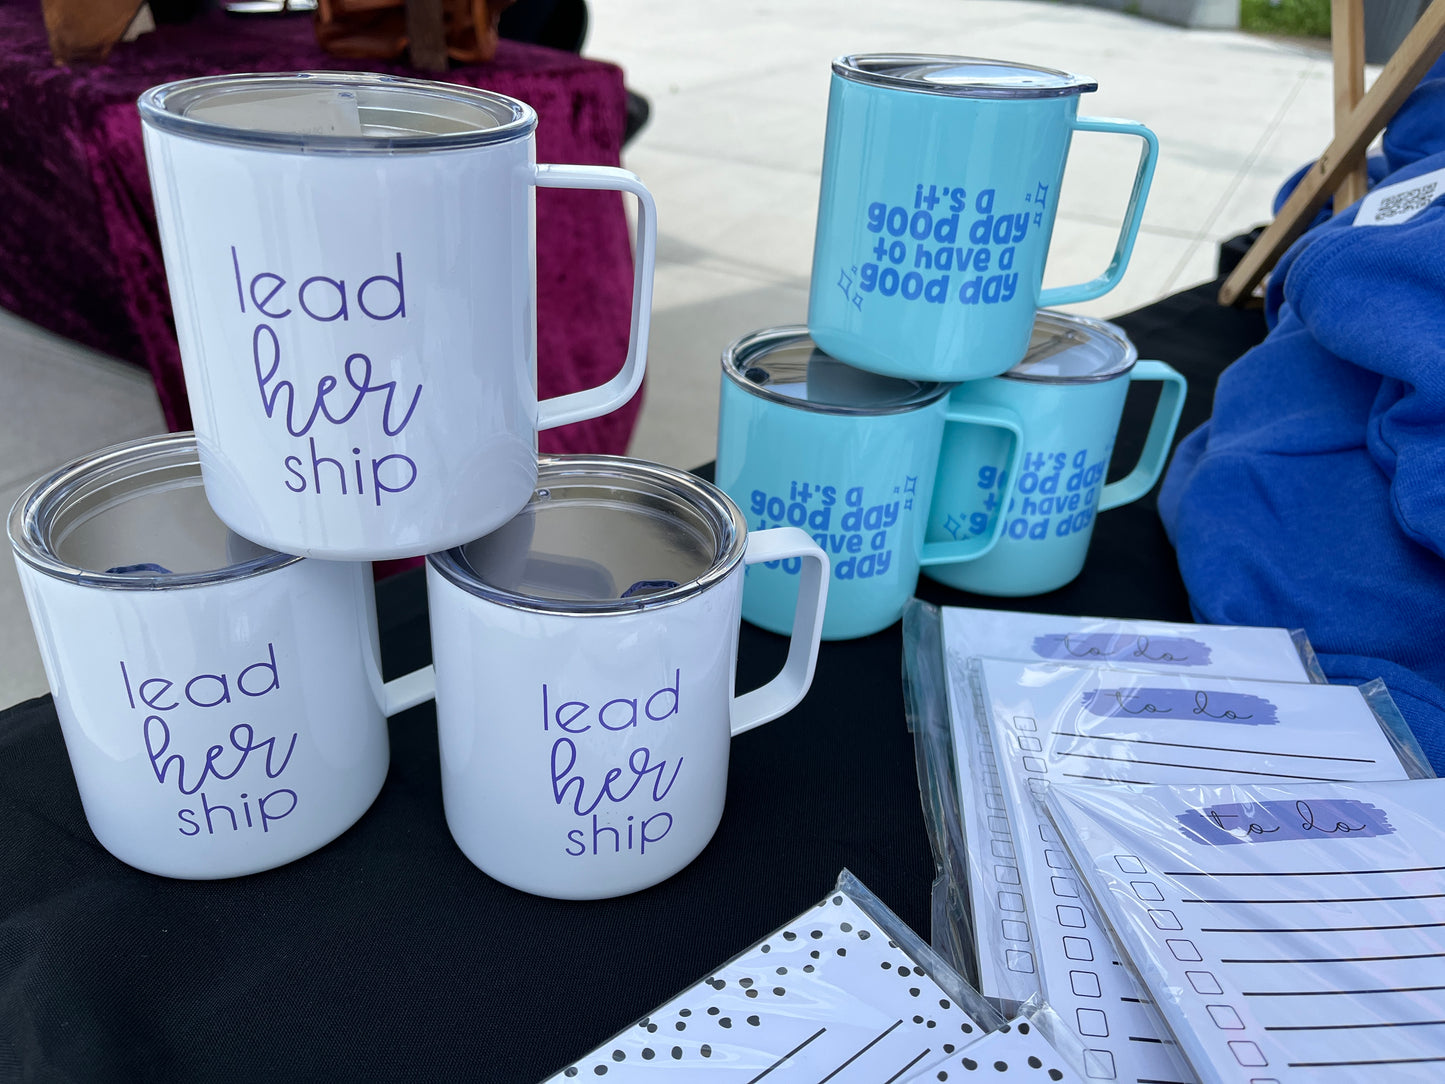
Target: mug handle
(409, 690)
(592, 402)
(946, 553)
(1133, 215)
(780, 695)
(1141, 479)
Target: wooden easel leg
(1420, 49)
(1347, 43)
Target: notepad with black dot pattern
(828, 997)
(1016, 1053)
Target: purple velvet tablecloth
(79, 252)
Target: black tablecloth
(387, 955)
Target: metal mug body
(1045, 525)
(584, 752)
(583, 757)
(357, 314)
(858, 485)
(936, 209)
(218, 728)
(847, 457)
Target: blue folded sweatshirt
(1315, 496)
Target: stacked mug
(935, 414)
(351, 264)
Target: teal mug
(940, 184)
(1069, 390)
(848, 456)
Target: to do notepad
(1233, 651)
(1287, 933)
(1056, 724)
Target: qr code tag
(1400, 202)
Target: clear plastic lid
(335, 111)
(603, 535)
(960, 76)
(1068, 349)
(133, 517)
(783, 365)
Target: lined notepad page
(1289, 933)
(1066, 724)
(1232, 651)
(828, 997)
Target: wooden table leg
(426, 35)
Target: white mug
(351, 261)
(222, 703)
(585, 656)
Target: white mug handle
(409, 690)
(782, 694)
(578, 406)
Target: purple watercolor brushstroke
(1273, 822)
(1176, 650)
(1197, 705)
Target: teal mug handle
(1133, 215)
(1141, 479)
(947, 553)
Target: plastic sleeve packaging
(1401, 737)
(1286, 932)
(1102, 701)
(1034, 1046)
(844, 992)
(1107, 1012)
(1104, 725)
(1308, 657)
(1242, 651)
(952, 751)
(927, 709)
(1093, 729)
